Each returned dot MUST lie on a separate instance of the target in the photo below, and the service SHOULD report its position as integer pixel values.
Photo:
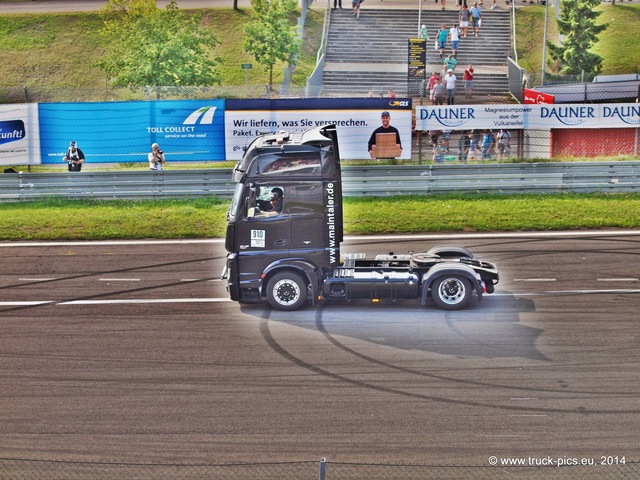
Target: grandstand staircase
(369, 55)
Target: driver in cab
(274, 205)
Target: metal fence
(365, 180)
(20, 469)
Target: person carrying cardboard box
(385, 140)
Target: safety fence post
(323, 468)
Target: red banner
(533, 96)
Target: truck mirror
(251, 212)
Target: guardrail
(366, 180)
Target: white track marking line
(25, 303)
(534, 280)
(118, 279)
(618, 280)
(391, 238)
(133, 301)
(143, 301)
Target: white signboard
(354, 125)
(19, 134)
(544, 117)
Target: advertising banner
(19, 135)
(186, 130)
(534, 97)
(417, 58)
(355, 118)
(542, 117)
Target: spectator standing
(449, 64)
(454, 36)
(438, 92)
(464, 145)
(434, 135)
(504, 143)
(463, 18)
(450, 83)
(475, 142)
(439, 152)
(442, 39)
(468, 81)
(446, 138)
(431, 83)
(476, 16)
(488, 145)
(156, 158)
(356, 7)
(74, 157)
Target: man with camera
(156, 158)
(74, 157)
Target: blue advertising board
(186, 130)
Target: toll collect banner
(355, 120)
(542, 117)
(19, 134)
(186, 130)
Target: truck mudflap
(453, 296)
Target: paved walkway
(45, 6)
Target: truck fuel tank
(350, 284)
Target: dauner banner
(543, 117)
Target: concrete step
(365, 84)
(370, 54)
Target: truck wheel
(451, 292)
(286, 291)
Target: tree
(269, 37)
(577, 23)
(158, 47)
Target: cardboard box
(386, 146)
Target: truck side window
(269, 201)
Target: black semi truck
(285, 228)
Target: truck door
(263, 233)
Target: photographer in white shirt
(156, 158)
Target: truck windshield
(236, 202)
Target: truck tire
(451, 292)
(286, 291)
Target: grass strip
(58, 219)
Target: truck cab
(285, 227)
